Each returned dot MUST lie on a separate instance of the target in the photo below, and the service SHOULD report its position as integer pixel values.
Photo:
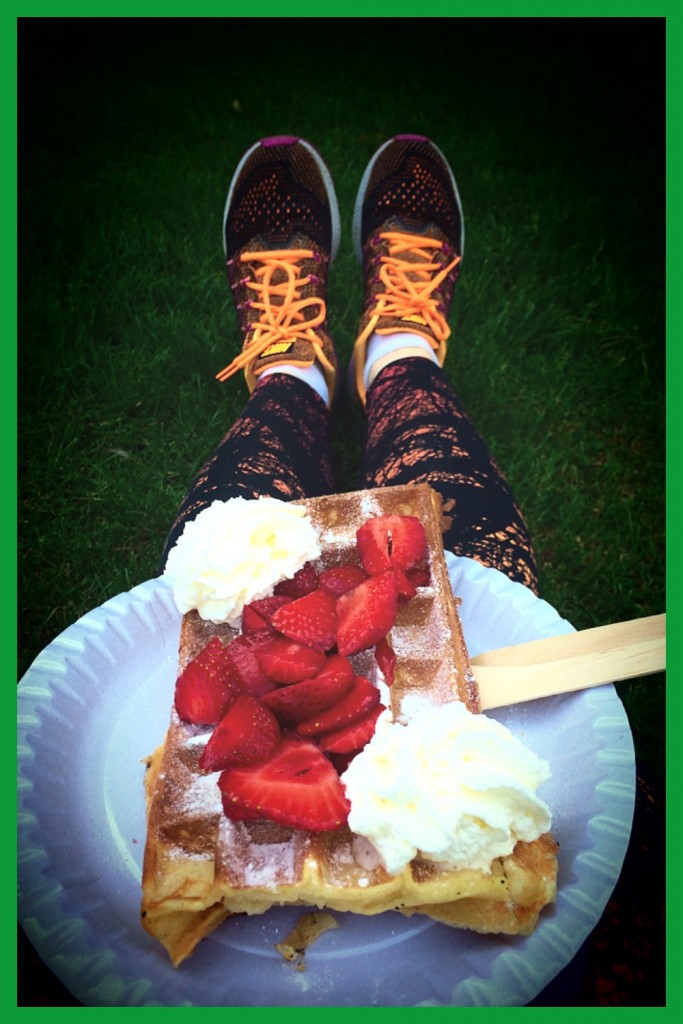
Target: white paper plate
(96, 701)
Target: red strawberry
(306, 699)
(242, 651)
(286, 661)
(386, 659)
(252, 621)
(361, 698)
(405, 588)
(207, 686)
(249, 732)
(420, 576)
(337, 671)
(339, 578)
(341, 761)
(235, 813)
(310, 620)
(366, 613)
(351, 738)
(303, 582)
(391, 542)
(257, 614)
(296, 786)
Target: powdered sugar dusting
(202, 797)
(267, 862)
(366, 854)
(259, 855)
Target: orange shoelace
(282, 308)
(409, 285)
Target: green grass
(128, 137)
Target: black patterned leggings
(417, 431)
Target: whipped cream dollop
(235, 552)
(452, 786)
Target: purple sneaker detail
(412, 138)
(279, 140)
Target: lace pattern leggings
(417, 431)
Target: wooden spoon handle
(574, 661)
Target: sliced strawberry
(310, 620)
(338, 579)
(286, 661)
(391, 542)
(405, 588)
(236, 813)
(373, 546)
(249, 732)
(306, 699)
(341, 761)
(258, 614)
(207, 686)
(386, 659)
(337, 672)
(361, 698)
(296, 786)
(252, 621)
(420, 576)
(303, 582)
(350, 739)
(243, 654)
(366, 613)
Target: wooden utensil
(574, 661)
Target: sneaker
(408, 233)
(280, 234)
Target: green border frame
(673, 14)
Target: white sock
(382, 346)
(311, 375)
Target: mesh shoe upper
(280, 188)
(281, 231)
(409, 182)
(408, 231)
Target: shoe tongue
(268, 243)
(408, 226)
(426, 229)
(274, 242)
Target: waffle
(200, 867)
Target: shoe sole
(360, 198)
(322, 167)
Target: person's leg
(281, 232)
(409, 234)
(418, 431)
(278, 447)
